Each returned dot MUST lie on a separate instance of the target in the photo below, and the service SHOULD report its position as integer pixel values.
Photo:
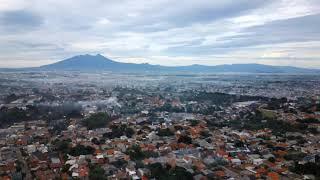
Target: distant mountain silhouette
(101, 63)
(98, 62)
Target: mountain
(98, 62)
(101, 63)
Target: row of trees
(308, 168)
(136, 154)
(9, 116)
(64, 146)
(168, 172)
(118, 131)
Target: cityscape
(160, 90)
(133, 126)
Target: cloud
(103, 21)
(161, 31)
(19, 20)
(11, 5)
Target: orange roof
(280, 153)
(222, 153)
(126, 158)
(144, 178)
(83, 172)
(220, 173)
(261, 171)
(151, 147)
(241, 156)
(282, 145)
(174, 146)
(182, 146)
(270, 164)
(146, 161)
(186, 158)
(64, 176)
(280, 159)
(98, 151)
(273, 176)
(110, 151)
(281, 170)
(200, 166)
(6, 178)
(171, 162)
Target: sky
(165, 32)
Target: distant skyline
(165, 32)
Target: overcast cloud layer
(166, 32)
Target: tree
(163, 173)
(178, 127)
(272, 159)
(120, 163)
(81, 150)
(10, 98)
(118, 131)
(308, 168)
(194, 122)
(95, 141)
(165, 132)
(180, 173)
(135, 152)
(97, 120)
(185, 139)
(62, 146)
(239, 143)
(65, 168)
(308, 120)
(12, 115)
(97, 173)
(157, 171)
(205, 134)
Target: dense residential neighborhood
(159, 90)
(60, 131)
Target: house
(83, 171)
(236, 162)
(55, 163)
(273, 176)
(200, 177)
(257, 161)
(143, 172)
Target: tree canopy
(164, 173)
(97, 120)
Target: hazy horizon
(107, 58)
(161, 32)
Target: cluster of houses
(178, 138)
(27, 149)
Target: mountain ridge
(100, 63)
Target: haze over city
(159, 89)
(272, 32)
